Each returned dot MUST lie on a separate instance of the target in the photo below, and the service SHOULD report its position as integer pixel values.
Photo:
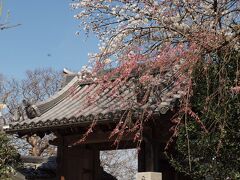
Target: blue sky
(46, 37)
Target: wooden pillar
(155, 151)
(141, 158)
(148, 155)
(96, 164)
(151, 156)
(60, 157)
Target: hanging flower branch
(169, 49)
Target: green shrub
(9, 158)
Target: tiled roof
(78, 103)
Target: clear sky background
(46, 37)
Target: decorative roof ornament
(32, 111)
(68, 72)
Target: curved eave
(81, 121)
(72, 122)
(46, 128)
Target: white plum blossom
(107, 61)
(122, 24)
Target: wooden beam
(94, 138)
(110, 146)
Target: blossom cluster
(120, 24)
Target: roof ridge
(56, 95)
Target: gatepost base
(149, 176)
